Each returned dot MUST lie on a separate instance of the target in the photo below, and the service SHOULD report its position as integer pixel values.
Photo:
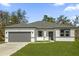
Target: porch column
(6, 36)
(45, 35)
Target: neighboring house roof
(41, 24)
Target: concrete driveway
(6, 49)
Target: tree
(48, 19)
(63, 19)
(18, 16)
(14, 19)
(7, 18)
(3, 17)
(51, 19)
(21, 15)
(45, 17)
(76, 21)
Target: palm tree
(63, 19)
(45, 17)
(76, 21)
(51, 19)
(48, 19)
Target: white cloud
(5, 4)
(59, 4)
(71, 8)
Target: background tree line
(7, 18)
(19, 16)
(62, 20)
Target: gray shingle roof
(42, 24)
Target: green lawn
(50, 49)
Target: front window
(40, 33)
(65, 32)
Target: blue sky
(35, 11)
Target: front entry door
(50, 35)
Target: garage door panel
(19, 37)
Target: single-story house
(39, 31)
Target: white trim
(45, 36)
(70, 38)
